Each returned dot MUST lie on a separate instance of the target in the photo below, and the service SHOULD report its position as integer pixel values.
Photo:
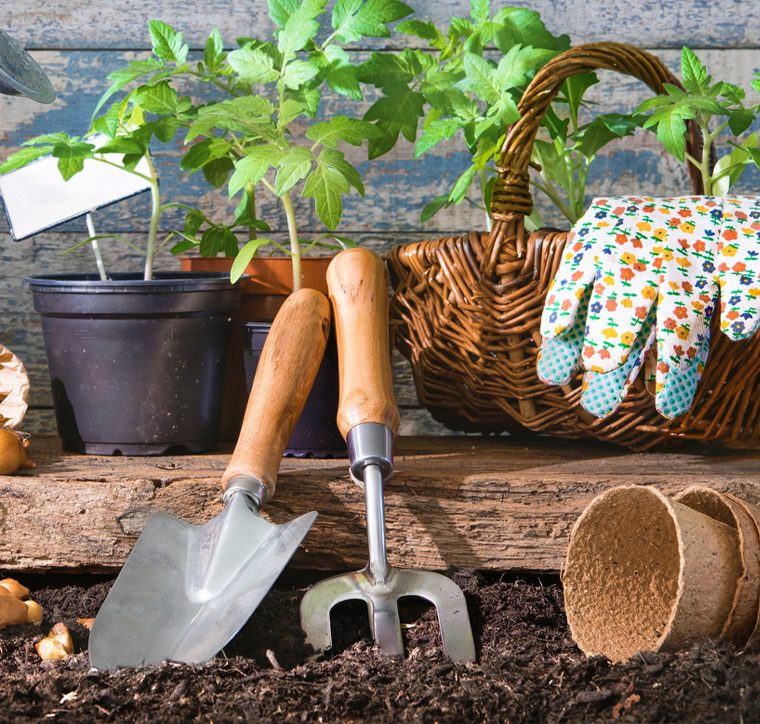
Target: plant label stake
(368, 418)
(186, 590)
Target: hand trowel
(186, 589)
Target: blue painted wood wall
(79, 41)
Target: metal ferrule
(370, 443)
(250, 486)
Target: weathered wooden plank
(83, 24)
(459, 501)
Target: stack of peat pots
(645, 572)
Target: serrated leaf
(326, 185)
(123, 145)
(167, 42)
(519, 65)
(695, 76)
(397, 112)
(253, 167)
(280, 10)
(521, 26)
(251, 115)
(212, 241)
(434, 206)
(124, 76)
(434, 133)
(108, 123)
(159, 99)
(300, 27)
(244, 256)
(213, 52)
(341, 128)
(480, 10)
(292, 167)
(482, 78)
(462, 185)
(421, 29)
(298, 73)
(341, 76)
(253, 65)
(356, 19)
(603, 129)
(193, 221)
(671, 132)
(24, 156)
(71, 156)
(740, 120)
(337, 160)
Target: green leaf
(397, 112)
(434, 206)
(251, 115)
(696, 79)
(23, 157)
(740, 120)
(385, 70)
(108, 123)
(280, 11)
(47, 139)
(292, 167)
(337, 160)
(167, 42)
(300, 27)
(124, 76)
(298, 73)
(201, 153)
(182, 246)
(253, 65)
(326, 185)
(341, 128)
(482, 78)
(356, 19)
(671, 132)
(160, 99)
(422, 29)
(213, 53)
(462, 185)
(603, 129)
(434, 133)
(341, 76)
(123, 145)
(480, 10)
(519, 65)
(724, 178)
(244, 256)
(253, 167)
(212, 241)
(71, 156)
(217, 172)
(521, 26)
(193, 221)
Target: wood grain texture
(284, 376)
(490, 504)
(358, 284)
(101, 24)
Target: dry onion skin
(14, 389)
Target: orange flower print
(576, 276)
(687, 287)
(669, 323)
(610, 333)
(621, 238)
(566, 304)
(740, 266)
(727, 250)
(687, 227)
(649, 292)
(699, 245)
(730, 234)
(641, 312)
(682, 332)
(685, 213)
(611, 305)
(667, 255)
(627, 338)
(628, 303)
(660, 234)
(644, 226)
(628, 258)
(681, 312)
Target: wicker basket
(466, 310)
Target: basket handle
(512, 201)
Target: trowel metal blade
(186, 590)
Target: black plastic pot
(315, 434)
(136, 366)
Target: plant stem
(295, 248)
(548, 188)
(250, 192)
(150, 250)
(96, 249)
(704, 165)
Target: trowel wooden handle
(288, 365)
(358, 284)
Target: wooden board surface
(490, 504)
(79, 41)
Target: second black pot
(316, 433)
(136, 366)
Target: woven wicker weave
(466, 310)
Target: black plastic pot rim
(130, 283)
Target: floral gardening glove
(635, 252)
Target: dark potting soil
(528, 669)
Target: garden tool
(185, 590)
(20, 74)
(368, 418)
(640, 269)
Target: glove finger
(603, 392)
(676, 388)
(575, 274)
(738, 264)
(624, 292)
(560, 357)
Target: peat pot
(316, 433)
(136, 366)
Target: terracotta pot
(270, 280)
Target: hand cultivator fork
(368, 418)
